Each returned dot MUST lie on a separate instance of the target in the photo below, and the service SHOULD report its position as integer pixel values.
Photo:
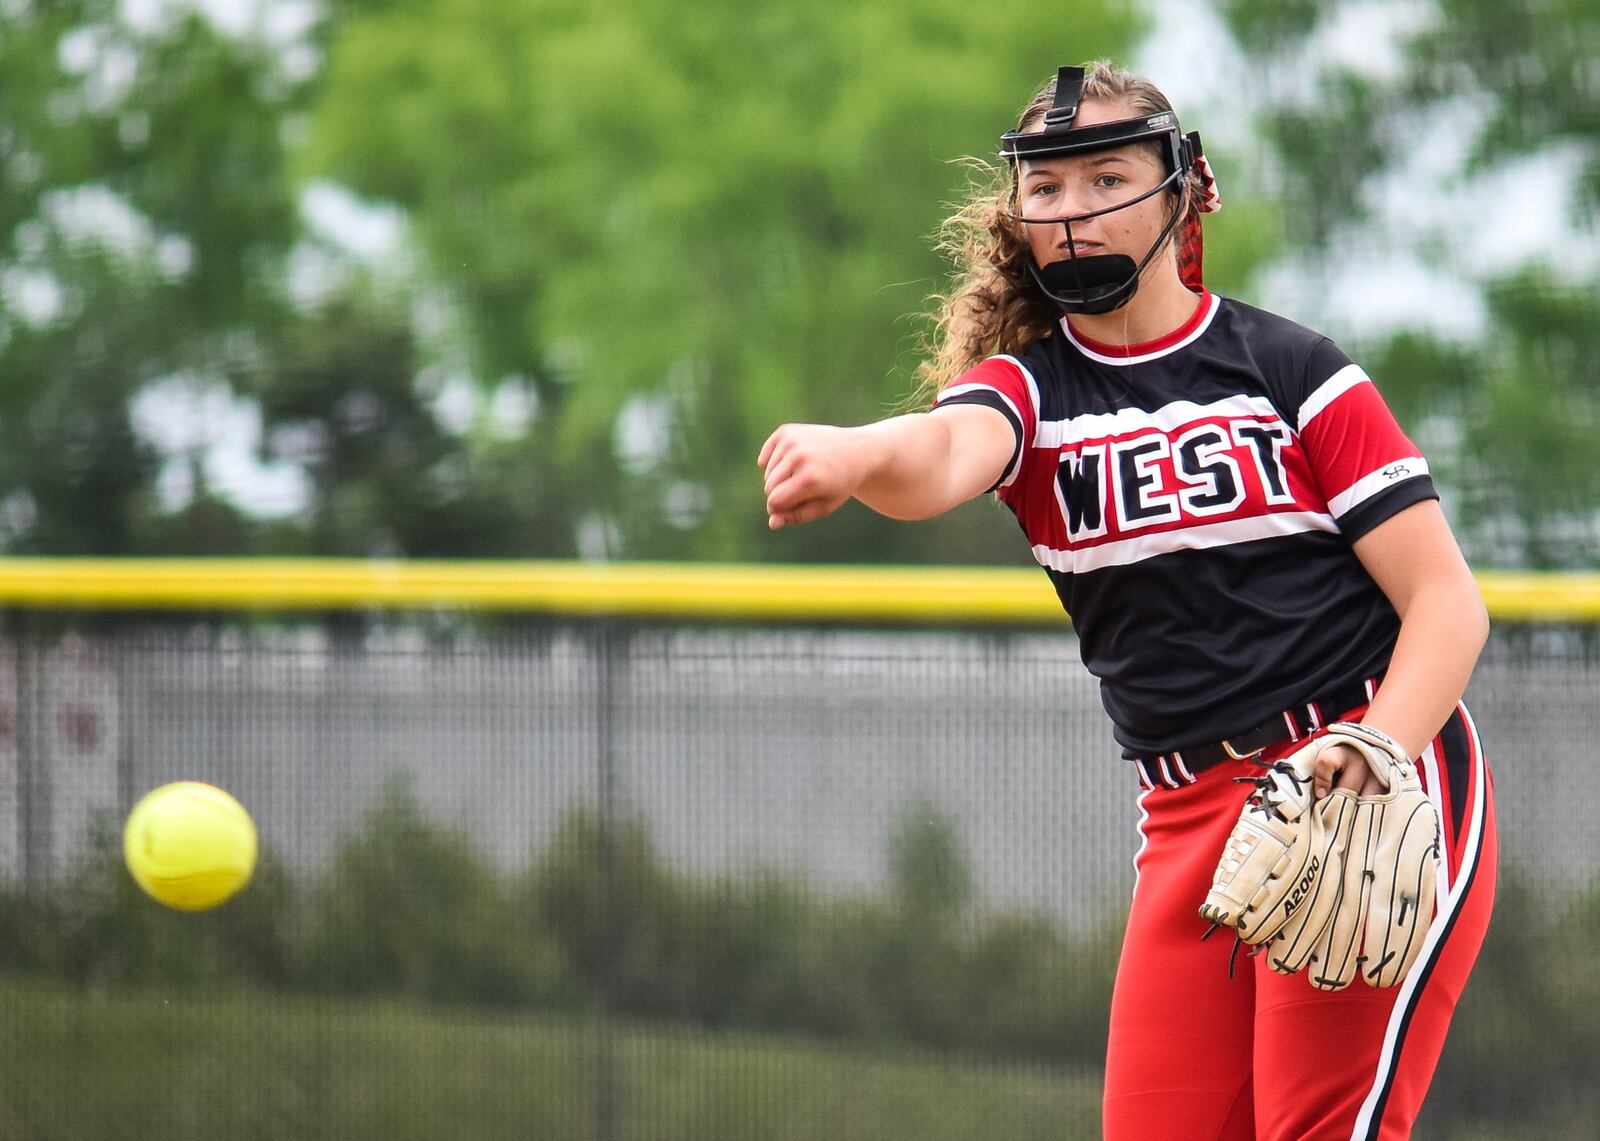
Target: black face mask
(1098, 283)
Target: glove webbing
(1267, 799)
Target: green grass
(79, 1066)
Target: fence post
(33, 780)
(611, 650)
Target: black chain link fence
(608, 881)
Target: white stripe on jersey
(1363, 489)
(1330, 390)
(958, 389)
(1167, 418)
(1121, 552)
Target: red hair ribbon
(1191, 246)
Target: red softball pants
(1195, 1054)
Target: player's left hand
(1340, 766)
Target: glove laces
(1279, 784)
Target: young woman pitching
(1250, 550)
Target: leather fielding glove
(1385, 900)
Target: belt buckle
(1227, 747)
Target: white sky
(277, 21)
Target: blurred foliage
(146, 213)
(656, 231)
(407, 908)
(341, 400)
(97, 929)
(764, 952)
(1527, 992)
(628, 242)
(685, 225)
(1511, 420)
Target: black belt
(1180, 766)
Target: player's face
(1077, 184)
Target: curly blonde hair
(995, 305)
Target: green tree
(156, 238)
(662, 229)
(146, 208)
(686, 224)
(1513, 422)
(339, 395)
(409, 908)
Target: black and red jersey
(1194, 501)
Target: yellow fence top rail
(937, 595)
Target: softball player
(1249, 548)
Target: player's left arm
(1414, 559)
(1378, 487)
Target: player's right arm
(908, 467)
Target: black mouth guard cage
(1102, 282)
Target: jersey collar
(1191, 329)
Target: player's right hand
(811, 469)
